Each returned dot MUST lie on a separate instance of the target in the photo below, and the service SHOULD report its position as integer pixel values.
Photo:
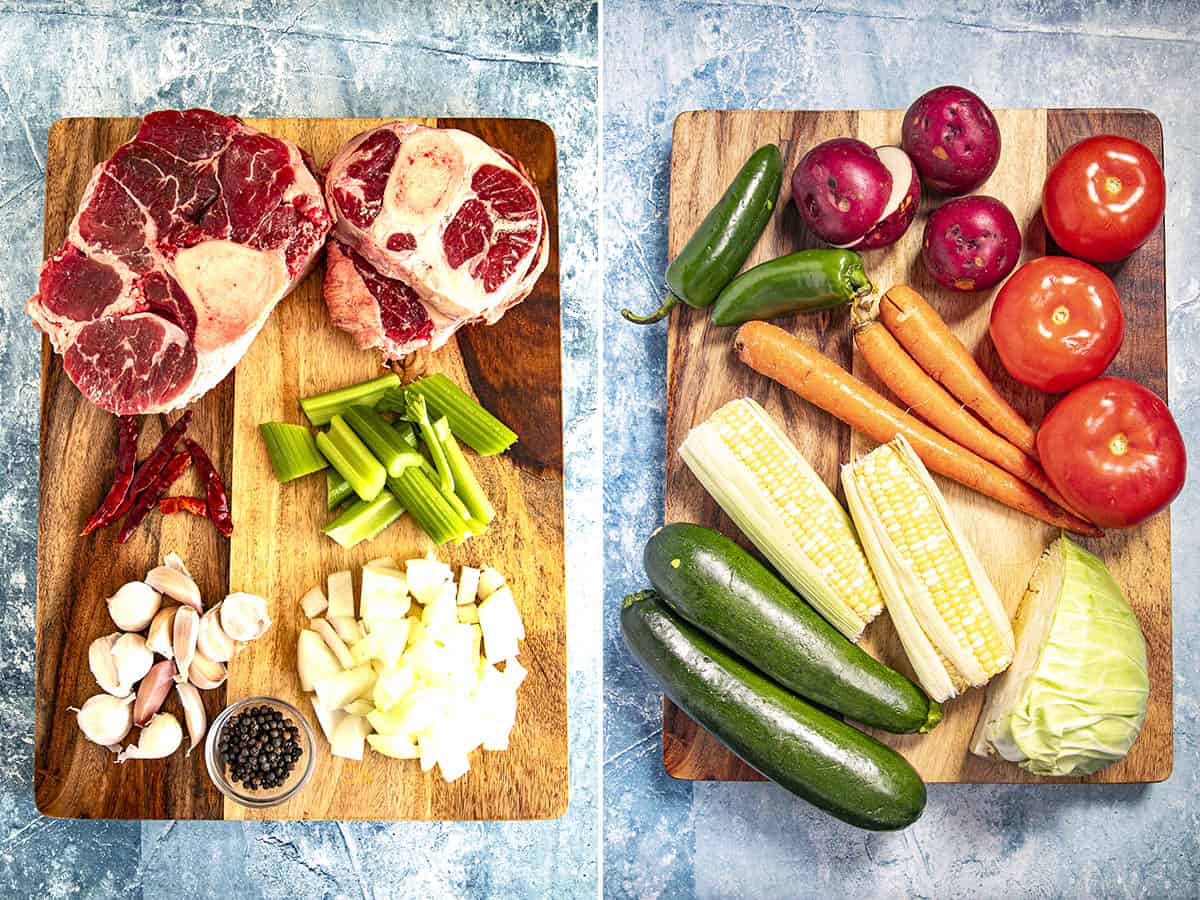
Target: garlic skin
(134, 605)
(213, 641)
(173, 561)
(161, 737)
(153, 691)
(205, 673)
(133, 659)
(184, 634)
(244, 616)
(177, 585)
(105, 719)
(104, 667)
(158, 638)
(193, 714)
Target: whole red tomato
(1103, 198)
(1057, 323)
(1113, 451)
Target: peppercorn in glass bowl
(259, 752)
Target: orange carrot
(771, 351)
(932, 403)
(921, 331)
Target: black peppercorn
(259, 748)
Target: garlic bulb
(158, 638)
(177, 585)
(244, 616)
(153, 691)
(213, 641)
(193, 713)
(205, 673)
(104, 667)
(184, 634)
(133, 606)
(161, 737)
(105, 719)
(133, 659)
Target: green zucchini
(719, 246)
(805, 281)
(721, 589)
(831, 765)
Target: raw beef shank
(185, 240)
(433, 229)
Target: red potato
(953, 138)
(902, 205)
(841, 188)
(856, 197)
(971, 243)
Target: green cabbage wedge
(1074, 699)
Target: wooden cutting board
(277, 549)
(709, 147)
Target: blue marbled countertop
(666, 838)
(294, 58)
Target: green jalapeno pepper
(806, 281)
(725, 238)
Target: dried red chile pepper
(149, 497)
(214, 489)
(127, 440)
(197, 506)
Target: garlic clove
(161, 737)
(173, 561)
(153, 691)
(244, 616)
(133, 659)
(206, 673)
(176, 585)
(104, 667)
(158, 638)
(133, 606)
(213, 642)
(184, 634)
(105, 719)
(193, 714)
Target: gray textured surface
(666, 838)
(534, 59)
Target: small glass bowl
(263, 797)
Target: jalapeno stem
(657, 316)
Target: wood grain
(702, 374)
(277, 549)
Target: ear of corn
(748, 465)
(951, 622)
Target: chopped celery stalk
(418, 414)
(365, 519)
(470, 422)
(337, 489)
(466, 486)
(352, 459)
(406, 433)
(428, 506)
(320, 408)
(388, 445)
(292, 450)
